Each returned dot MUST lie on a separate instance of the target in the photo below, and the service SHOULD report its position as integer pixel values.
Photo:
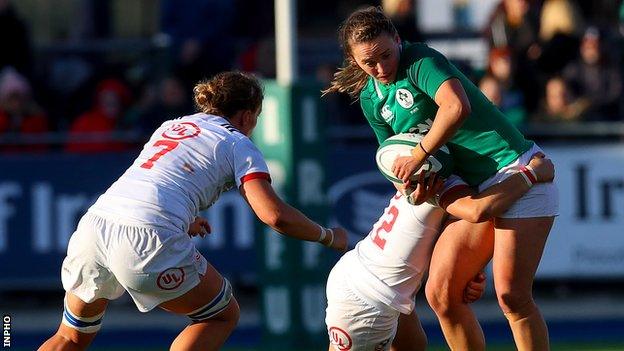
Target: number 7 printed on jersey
(177, 131)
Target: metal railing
(572, 131)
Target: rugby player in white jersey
(137, 236)
(370, 291)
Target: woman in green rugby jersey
(409, 87)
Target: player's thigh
(84, 309)
(462, 250)
(209, 290)
(519, 244)
(410, 334)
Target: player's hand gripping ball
(402, 144)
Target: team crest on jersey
(340, 339)
(386, 113)
(405, 98)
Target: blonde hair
(228, 92)
(361, 26)
(559, 16)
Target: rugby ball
(402, 144)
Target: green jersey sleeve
(382, 130)
(429, 73)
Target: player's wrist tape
(532, 172)
(419, 152)
(424, 150)
(322, 235)
(331, 241)
(529, 175)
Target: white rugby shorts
(104, 258)
(353, 322)
(542, 200)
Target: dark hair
(361, 26)
(228, 92)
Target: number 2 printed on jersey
(384, 226)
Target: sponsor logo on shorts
(170, 279)
(182, 130)
(340, 339)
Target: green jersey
(486, 141)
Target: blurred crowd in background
(101, 75)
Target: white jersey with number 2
(184, 167)
(388, 265)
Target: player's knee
(232, 314)
(435, 297)
(522, 311)
(68, 341)
(514, 301)
(441, 297)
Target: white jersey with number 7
(184, 167)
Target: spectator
(339, 107)
(514, 25)
(158, 104)
(560, 28)
(492, 89)
(558, 104)
(19, 114)
(595, 78)
(461, 14)
(403, 17)
(502, 69)
(101, 122)
(14, 39)
(200, 33)
(559, 16)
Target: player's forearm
(498, 198)
(291, 222)
(276, 213)
(447, 121)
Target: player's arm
(496, 200)
(453, 109)
(285, 219)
